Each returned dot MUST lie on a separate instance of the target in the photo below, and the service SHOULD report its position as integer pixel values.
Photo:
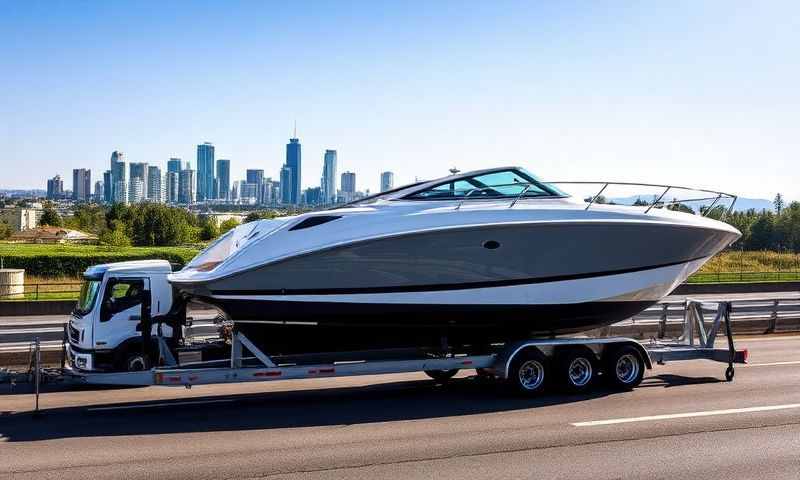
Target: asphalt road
(683, 422)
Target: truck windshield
(87, 297)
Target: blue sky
(698, 93)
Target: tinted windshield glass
(87, 297)
(506, 183)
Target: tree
(50, 217)
(762, 232)
(208, 229)
(154, 224)
(5, 230)
(115, 237)
(227, 225)
(260, 215)
(778, 202)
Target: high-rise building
(256, 177)
(172, 182)
(348, 186)
(138, 170)
(55, 188)
(99, 194)
(186, 186)
(223, 182)
(108, 187)
(174, 165)
(387, 181)
(286, 185)
(313, 196)
(155, 192)
(81, 184)
(136, 190)
(328, 183)
(248, 193)
(119, 190)
(205, 172)
(294, 163)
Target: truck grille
(74, 334)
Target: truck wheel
(624, 367)
(136, 362)
(441, 376)
(576, 369)
(527, 374)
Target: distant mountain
(742, 204)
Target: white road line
(152, 405)
(771, 364)
(673, 416)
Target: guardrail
(748, 316)
(40, 291)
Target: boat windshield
(87, 297)
(497, 184)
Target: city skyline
(687, 93)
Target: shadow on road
(409, 400)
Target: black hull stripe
(446, 286)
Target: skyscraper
(155, 192)
(173, 182)
(174, 165)
(329, 177)
(294, 163)
(119, 187)
(387, 181)
(138, 171)
(81, 184)
(223, 179)
(256, 177)
(55, 188)
(108, 187)
(286, 185)
(205, 172)
(348, 186)
(186, 186)
(98, 191)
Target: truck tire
(528, 373)
(624, 367)
(136, 362)
(576, 369)
(441, 376)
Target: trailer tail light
(272, 373)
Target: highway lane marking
(163, 404)
(672, 416)
(771, 364)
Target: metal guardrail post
(773, 318)
(37, 372)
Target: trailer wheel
(527, 374)
(136, 362)
(624, 367)
(441, 376)
(576, 369)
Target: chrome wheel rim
(531, 374)
(627, 368)
(580, 371)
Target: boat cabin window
(505, 183)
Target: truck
(130, 327)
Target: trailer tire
(576, 369)
(624, 367)
(528, 372)
(441, 376)
(136, 362)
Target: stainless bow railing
(659, 202)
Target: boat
(468, 259)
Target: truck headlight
(80, 361)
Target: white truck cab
(105, 329)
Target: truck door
(120, 312)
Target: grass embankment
(766, 266)
(56, 268)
